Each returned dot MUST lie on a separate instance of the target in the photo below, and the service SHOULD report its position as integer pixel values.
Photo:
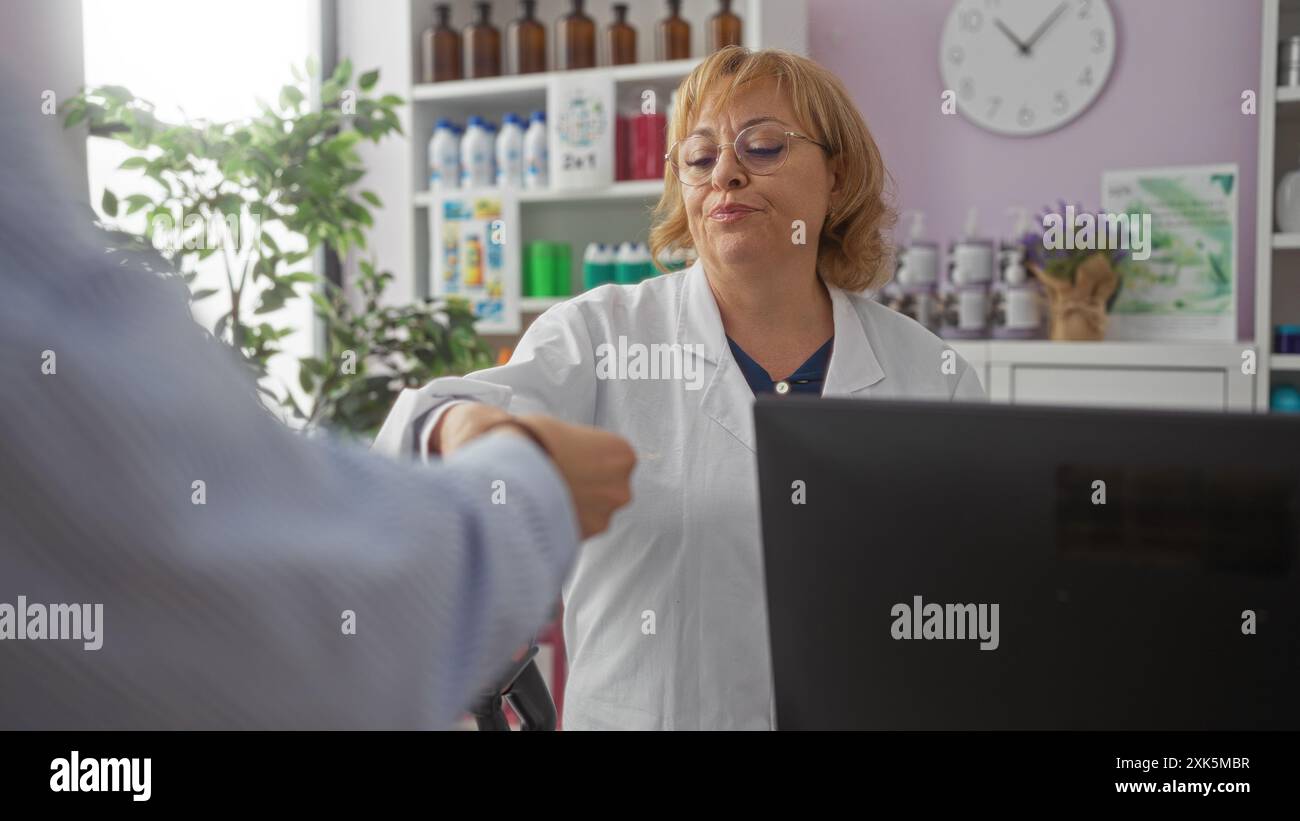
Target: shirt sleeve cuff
(431, 420)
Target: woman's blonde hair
(854, 250)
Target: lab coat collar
(727, 399)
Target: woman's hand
(596, 465)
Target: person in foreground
(774, 180)
(171, 557)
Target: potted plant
(1081, 283)
(219, 188)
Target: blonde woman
(775, 181)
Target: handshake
(596, 465)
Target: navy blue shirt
(807, 378)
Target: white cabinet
(1201, 376)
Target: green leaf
(343, 73)
(76, 116)
(367, 81)
(133, 162)
(372, 198)
(135, 202)
(109, 203)
(203, 293)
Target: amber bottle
(526, 41)
(575, 42)
(440, 57)
(483, 44)
(674, 36)
(622, 38)
(724, 28)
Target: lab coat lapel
(727, 398)
(853, 366)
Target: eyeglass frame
(732, 146)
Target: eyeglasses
(761, 149)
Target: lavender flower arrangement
(1061, 263)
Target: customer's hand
(596, 465)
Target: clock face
(1024, 67)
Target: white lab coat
(665, 613)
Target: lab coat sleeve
(968, 388)
(552, 371)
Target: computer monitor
(957, 566)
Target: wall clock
(1025, 67)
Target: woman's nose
(728, 172)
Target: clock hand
(1033, 38)
(1003, 26)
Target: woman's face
(737, 218)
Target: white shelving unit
(1277, 276)
(386, 35)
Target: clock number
(957, 54)
(1098, 41)
(1062, 103)
(1085, 79)
(994, 104)
(1085, 9)
(1025, 116)
(971, 20)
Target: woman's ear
(836, 168)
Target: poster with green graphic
(1179, 280)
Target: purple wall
(1173, 98)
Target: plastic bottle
(645, 266)
(536, 162)
(626, 269)
(476, 151)
(510, 153)
(444, 158)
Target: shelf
(1285, 362)
(1284, 241)
(631, 190)
(523, 84)
(538, 304)
(1288, 94)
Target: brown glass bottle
(483, 44)
(622, 38)
(575, 41)
(440, 57)
(526, 41)
(674, 35)
(724, 28)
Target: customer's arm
(248, 576)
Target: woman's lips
(730, 213)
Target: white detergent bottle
(444, 158)
(510, 153)
(476, 151)
(536, 160)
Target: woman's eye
(700, 162)
(763, 150)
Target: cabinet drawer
(1172, 388)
